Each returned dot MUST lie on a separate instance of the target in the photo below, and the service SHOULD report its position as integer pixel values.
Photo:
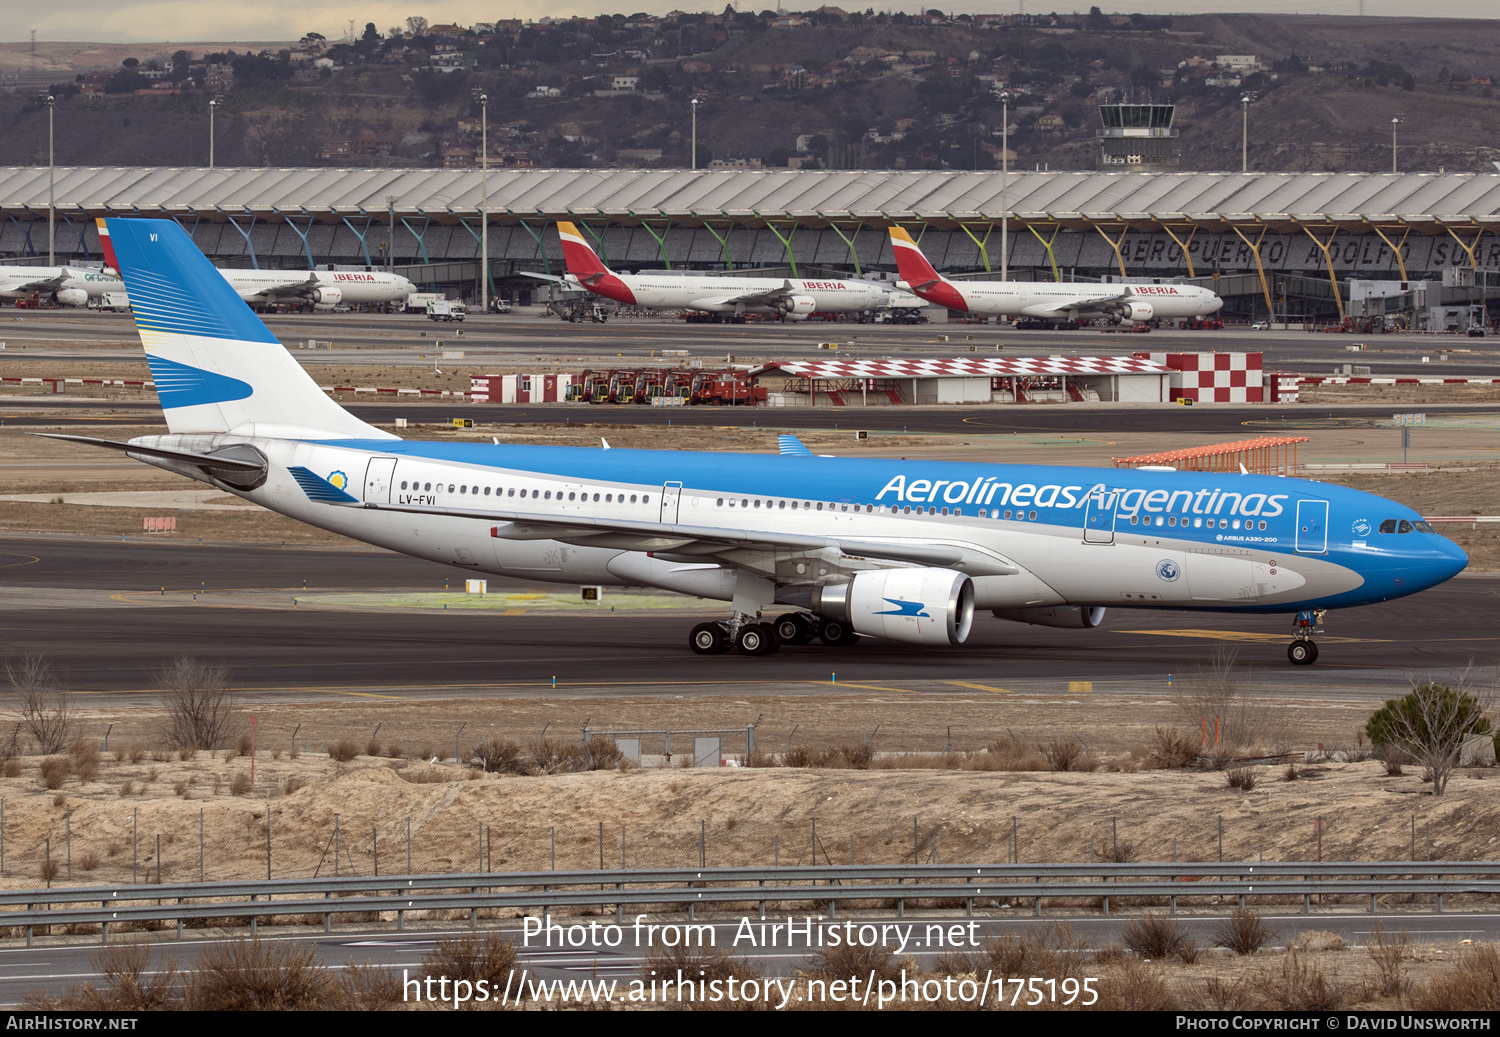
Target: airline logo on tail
(585, 265)
(917, 272)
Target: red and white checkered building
(1214, 377)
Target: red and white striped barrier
(395, 392)
(1367, 380)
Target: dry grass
(1156, 936)
(1243, 932)
(1242, 778)
(343, 750)
(473, 957)
(1470, 984)
(54, 771)
(1298, 986)
(248, 975)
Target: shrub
(1471, 983)
(1388, 952)
(42, 707)
(247, 975)
(11, 768)
(1242, 778)
(1155, 936)
(343, 751)
(372, 748)
(1065, 755)
(1431, 724)
(847, 960)
(1298, 986)
(1291, 773)
(1220, 693)
(130, 985)
(292, 782)
(797, 756)
(473, 957)
(84, 757)
(135, 753)
(240, 784)
(364, 987)
(187, 752)
(54, 771)
(1133, 987)
(1172, 749)
(1243, 932)
(202, 710)
(1008, 754)
(394, 751)
(127, 787)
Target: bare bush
(84, 757)
(372, 748)
(1134, 987)
(292, 782)
(1470, 984)
(248, 975)
(364, 987)
(1243, 932)
(1242, 778)
(1008, 754)
(845, 960)
(240, 785)
(129, 984)
(41, 705)
(202, 711)
(54, 771)
(1155, 936)
(1389, 953)
(1172, 749)
(1222, 694)
(343, 751)
(473, 957)
(1291, 773)
(11, 768)
(1067, 755)
(1298, 986)
(705, 964)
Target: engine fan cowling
(71, 297)
(799, 307)
(1137, 311)
(1069, 617)
(928, 606)
(327, 297)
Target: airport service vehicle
(1125, 302)
(909, 550)
(442, 309)
(731, 296)
(319, 289)
(64, 285)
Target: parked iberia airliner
(843, 548)
(792, 299)
(1123, 302)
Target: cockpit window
(1405, 527)
(1424, 527)
(1388, 526)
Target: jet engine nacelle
(71, 297)
(1069, 617)
(798, 307)
(326, 298)
(920, 606)
(1135, 312)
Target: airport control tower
(1138, 136)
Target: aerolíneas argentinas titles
(850, 547)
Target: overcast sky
(112, 21)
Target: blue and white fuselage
(893, 548)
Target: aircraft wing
(761, 551)
(301, 286)
(772, 297)
(33, 284)
(1063, 306)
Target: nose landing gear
(1303, 651)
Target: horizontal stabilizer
(185, 456)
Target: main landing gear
(750, 636)
(1303, 651)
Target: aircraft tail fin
(583, 262)
(914, 268)
(217, 367)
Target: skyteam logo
(1168, 570)
(1362, 527)
(338, 480)
(905, 608)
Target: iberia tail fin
(583, 262)
(217, 367)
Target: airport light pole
(390, 234)
(1395, 121)
(51, 192)
(1245, 134)
(1005, 185)
(211, 106)
(695, 102)
(484, 205)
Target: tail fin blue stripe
(790, 444)
(180, 385)
(174, 289)
(318, 489)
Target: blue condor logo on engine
(905, 608)
(993, 492)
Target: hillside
(813, 91)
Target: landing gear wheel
(795, 628)
(709, 639)
(836, 633)
(1302, 653)
(758, 639)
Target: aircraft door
(1312, 527)
(378, 480)
(1099, 517)
(671, 497)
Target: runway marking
(1080, 687)
(1247, 636)
(32, 560)
(981, 687)
(865, 687)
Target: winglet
(790, 444)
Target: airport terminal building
(1283, 243)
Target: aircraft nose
(1450, 562)
(1217, 304)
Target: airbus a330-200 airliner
(852, 547)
